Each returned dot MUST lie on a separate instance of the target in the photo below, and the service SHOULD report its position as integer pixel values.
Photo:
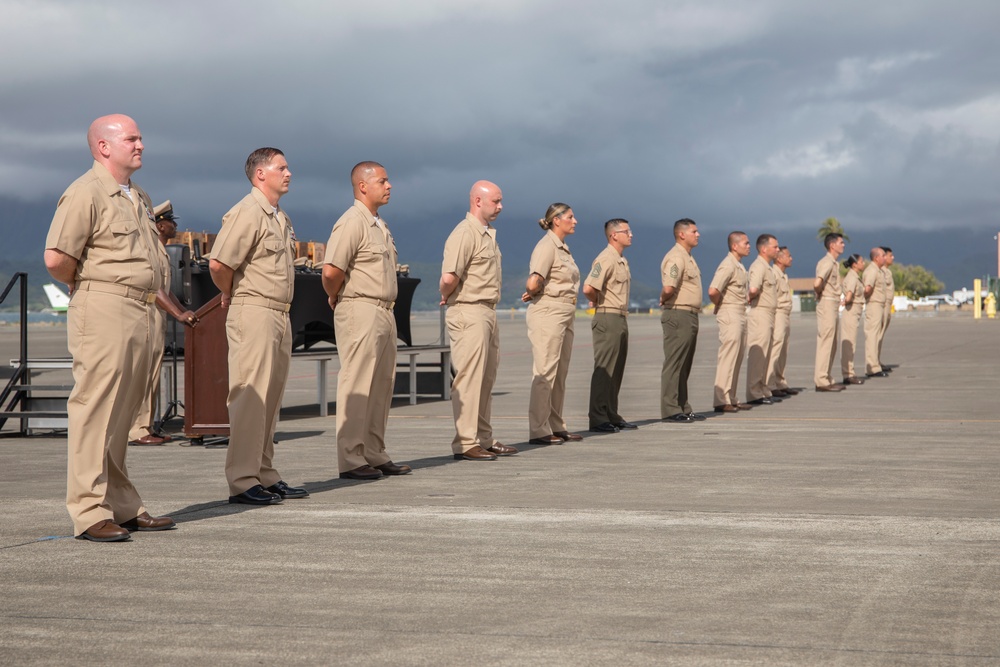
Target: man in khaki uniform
(359, 276)
(763, 295)
(607, 289)
(728, 291)
(776, 381)
(873, 280)
(470, 287)
(251, 265)
(680, 300)
(890, 291)
(102, 245)
(142, 432)
(828, 294)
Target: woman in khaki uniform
(854, 302)
(553, 283)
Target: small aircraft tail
(58, 298)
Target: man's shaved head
(105, 128)
(485, 201)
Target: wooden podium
(206, 373)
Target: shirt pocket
(125, 237)
(275, 256)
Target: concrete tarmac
(857, 528)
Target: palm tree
(831, 226)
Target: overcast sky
(770, 113)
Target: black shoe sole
(233, 500)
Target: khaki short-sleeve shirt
(784, 291)
(853, 284)
(611, 277)
(256, 242)
(551, 259)
(365, 251)
(111, 236)
(679, 270)
(890, 285)
(731, 281)
(828, 270)
(471, 252)
(761, 277)
(874, 278)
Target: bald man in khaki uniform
(470, 287)
(828, 293)
(763, 295)
(680, 300)
(102, 245)
(776, 380)
(252, 266)
(359, 276)
(873, 279)
(142, 432)
(607, 288)
(728, 291)
(551, 289)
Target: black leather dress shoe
(780, 393)
(606, 427)
(623, 425)
(791, 391)
(696, 417)
(880, 374)
(391, 468)
(255, 495)
(363, 473)
(853, 380)
(680, 418)
(763, 400)
(286, 491)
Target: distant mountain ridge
(955, 256)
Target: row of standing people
(102, 243)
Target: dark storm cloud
(779, 113)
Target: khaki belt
(260, 301)
(488, 304)
(388, 305)
(141, 295)
(831, 298)
(690, 309)
(563, 299)
(609, 309)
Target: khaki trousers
(143, 424)
(732, 321)
(366, 347)
(826, 340)
(779, 351)
(260, 348)
(849, 322)
(760, 331)
(475, 351)
(550, 330)
(874, 321)
(680, 338)
(109, 338)
(886, 318)
(610, 335)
